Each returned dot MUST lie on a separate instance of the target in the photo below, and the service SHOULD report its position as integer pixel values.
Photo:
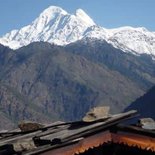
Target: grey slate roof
(56, 135)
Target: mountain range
(55, 25)
(44, 82)
(61, 65)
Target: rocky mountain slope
(145, 104)
(44, 82)
(140, 69)
(55, 25)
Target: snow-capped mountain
(138, 40)
(56, 26)
(128, 39)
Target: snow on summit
(57, 26)
(84, 17)
(53, 25)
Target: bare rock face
(97, 113)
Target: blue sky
(108, 13)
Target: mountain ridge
(145, 104)
(44, 82)
(57, 26)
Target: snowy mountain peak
(52, 13)
(55, 25)
(84, 17)
(52, 10)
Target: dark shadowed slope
(145, 104)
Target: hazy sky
(108, 13)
